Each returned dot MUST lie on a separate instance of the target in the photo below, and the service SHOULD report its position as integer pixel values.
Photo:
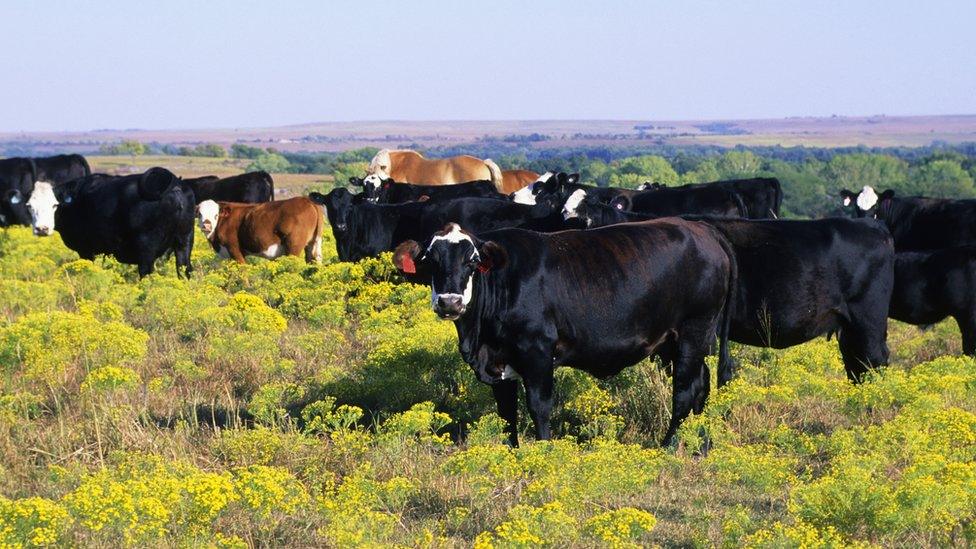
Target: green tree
(854, 171)
(734, 164)
(343, 172)
(211, 150)
(126, 146)
(941, 179)
(635, 170)
(706, 172)
(240, 150)
(269, 162)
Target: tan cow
(269, 229)
(405, 166)
(513, 180)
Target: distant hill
(871, 131)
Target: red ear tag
(483, 267)
(408, 265)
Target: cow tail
(725, 364)
(496, 175)
(778, 200)
(741, 205)
(84, 162)
(270, 181)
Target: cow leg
(313, 252)
(690, 381)
(145, 267)
(863, 339)
(967, 326)
(539, 397)
(506, 397)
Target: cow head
(452, 258)
(573, 208)
(41, 205)
(208, 215)
(380, 165)
(338, 203)
(526, 195)
(867, 202)
(375, 187)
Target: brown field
(877, 130)
(286, 184)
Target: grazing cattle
(679, 201)
(61, 168)
(251, 188)
(17, 177)
(387, 191)
(563, 185)
(762, 196)
(269, 229)
(933, 285)
(364, 229)
(135, 218)
(411, 167)
(525, 302)
(917, 223)
(802, 279)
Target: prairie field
(292, 405)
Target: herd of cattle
(538, 271)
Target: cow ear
(492, 256)
(572, 179)
(356, 181)
(15, 197)
(405, 257)
(621, 203)
(848, 196)
(887, 195)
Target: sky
(83, 65)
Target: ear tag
(847, 201)
(619, 206)
(408, 265)
(15, 200)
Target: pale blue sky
(76, 65)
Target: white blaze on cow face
(380, 164)
(207, 213)
(570, 208)
(372, 184)
(867, 198)
(454, 237)
(526, 195)
(41, 206)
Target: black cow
(135, 218)
(17, 177)
(679, 200)
(563, 185)
(762, 196)
(802, 279)
(525, 302)
(933, 285)
(363, 229)
(61, 168)
(916, 222)
(387, 191)
(251, 187)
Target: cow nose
(42, 230)
(449, 305)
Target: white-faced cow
(270, 229)
(137, 218)
(917, 222)
(525, 302)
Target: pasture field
(282, 404)
(286, 184)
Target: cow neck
(490, 295)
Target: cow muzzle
(42, 230)
(449, 306)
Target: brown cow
(513, 180)
(407, 166)
(269, 229)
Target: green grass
(282, 404)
